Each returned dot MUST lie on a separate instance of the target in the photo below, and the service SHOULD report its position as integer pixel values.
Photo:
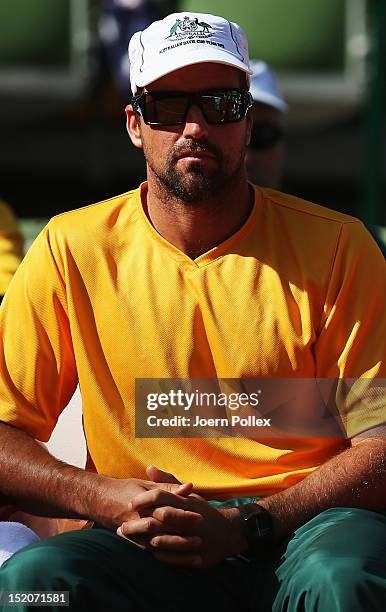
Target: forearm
(354, 478)
(40, 484)
(36, 482)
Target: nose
(195, 126)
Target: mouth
(195, 155)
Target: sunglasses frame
(139, 105)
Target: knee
(41, 566)
(335, 562)
(322, 569)
(337, 584)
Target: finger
(177, 519)
(141, 527)
(179, 522)
(157, 497)
(147, 532)
(141, 542)
(176, 543)
(183, 489)
(158, 475)
(181, 559)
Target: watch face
(258, 524)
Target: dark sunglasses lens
(164, 110)
(223, 108)
(214, 108)
(265, 135)
(161, 108)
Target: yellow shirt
(298, 291)
(11, 246)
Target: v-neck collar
(206, 258)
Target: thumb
(157, 475)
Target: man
(197, 274)
(266, 149)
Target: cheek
(234, 142)
(238, 135)
(157, 144)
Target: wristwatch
(257, 528)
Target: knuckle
(156, 494)
(164, 514)
(149, 523)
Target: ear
(133, 126)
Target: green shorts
(336, 562)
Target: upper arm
(351, 344)
(378, 433)
(37, 364)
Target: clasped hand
(182, 528)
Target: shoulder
(297, 208)
(84, 235)
(95, 219)
(312, 227)
(304, 239)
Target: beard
(198, 183)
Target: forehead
(205, 75)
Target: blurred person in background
(265, 154)
(17, 528)
(266, 149)
(11, 246)
(119, 20)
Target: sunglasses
(171, 107)
(265, 135)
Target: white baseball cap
(264, 86)
(183, 39)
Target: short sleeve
(37, 366)
(351, 345)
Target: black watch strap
(257, 528)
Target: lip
(196, 155)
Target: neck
(197, 228)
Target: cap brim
(177, 62)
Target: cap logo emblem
(186, 27)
